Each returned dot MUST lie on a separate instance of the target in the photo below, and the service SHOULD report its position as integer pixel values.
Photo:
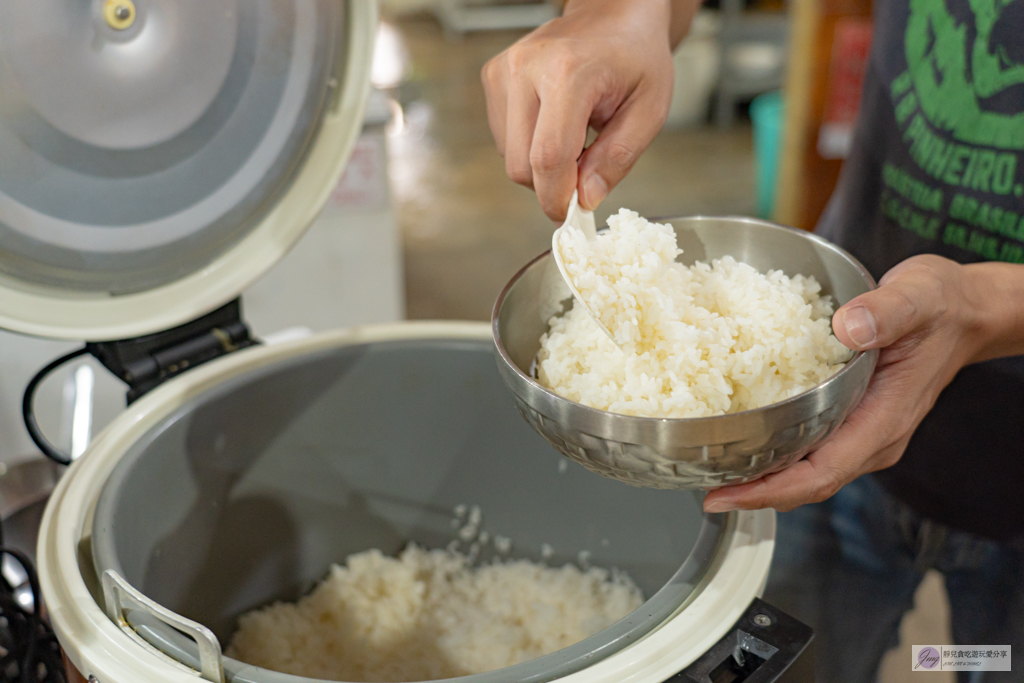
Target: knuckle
(909, 306)
(553, 212)
(553, 209)
(488, 75)
(921, 283)
(518, 173)
(890, 458)
(828, 486)
(518, 57)
(547, 156)
(562, 66)
(930, 273)
(763, 494)
(520, 178)
(905, 425)
(827, 479)
(621, 157)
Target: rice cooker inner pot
(248, 492)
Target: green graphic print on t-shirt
(960, 133)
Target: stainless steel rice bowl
(673, 453)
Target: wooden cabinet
(828, 54)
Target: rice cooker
(156, 157)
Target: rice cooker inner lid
(141, 141)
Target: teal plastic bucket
(767, 114)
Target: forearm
(997, 300)
(680, 12)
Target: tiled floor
(467, 228)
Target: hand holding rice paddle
(577, 222)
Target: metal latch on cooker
(146, 362)
(765, 645)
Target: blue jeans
(849, 567)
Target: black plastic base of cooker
(765, 645)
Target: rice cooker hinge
(144, 363)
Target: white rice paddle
(577, 219)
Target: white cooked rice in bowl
(692, 341)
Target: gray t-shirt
(938, 167)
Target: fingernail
(719, 506)
(860, 325)
(594, 191)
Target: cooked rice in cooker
(695, 341)
(431, 614)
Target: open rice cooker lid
(238, 483)
(157, 156)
